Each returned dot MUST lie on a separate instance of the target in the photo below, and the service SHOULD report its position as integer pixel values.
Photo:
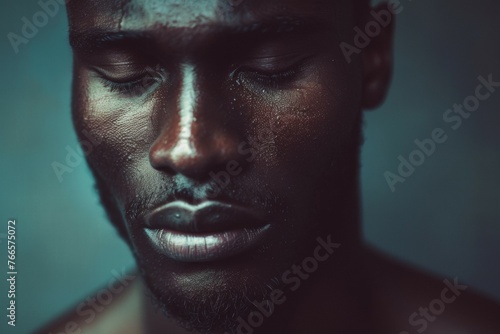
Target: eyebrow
(93, 39)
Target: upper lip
(206, 217)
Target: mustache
(182, 189)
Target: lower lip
(204, 247)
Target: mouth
(209, 231)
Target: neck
(334, 298)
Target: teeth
(189, 240)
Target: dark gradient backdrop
(445, 217)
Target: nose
(194, 138)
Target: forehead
(133, 15)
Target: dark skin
(173, 91)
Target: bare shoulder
(408, 300)
(113, 309)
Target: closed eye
(269, 77)
(133, 85)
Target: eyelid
(132, 84)
(283, 78)
(274, 68)
(156, 73)
(119, 75)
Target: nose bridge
(193, 138)
(187, 103)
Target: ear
(377, 56)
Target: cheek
(309, 124)
(123, 127)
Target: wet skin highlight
(177, 92)
(229, 138)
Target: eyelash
(270, 80)
(273, 80)
(133, 87)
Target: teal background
(445, 217)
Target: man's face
(229, 135)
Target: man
(230, 133)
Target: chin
(207, 298)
